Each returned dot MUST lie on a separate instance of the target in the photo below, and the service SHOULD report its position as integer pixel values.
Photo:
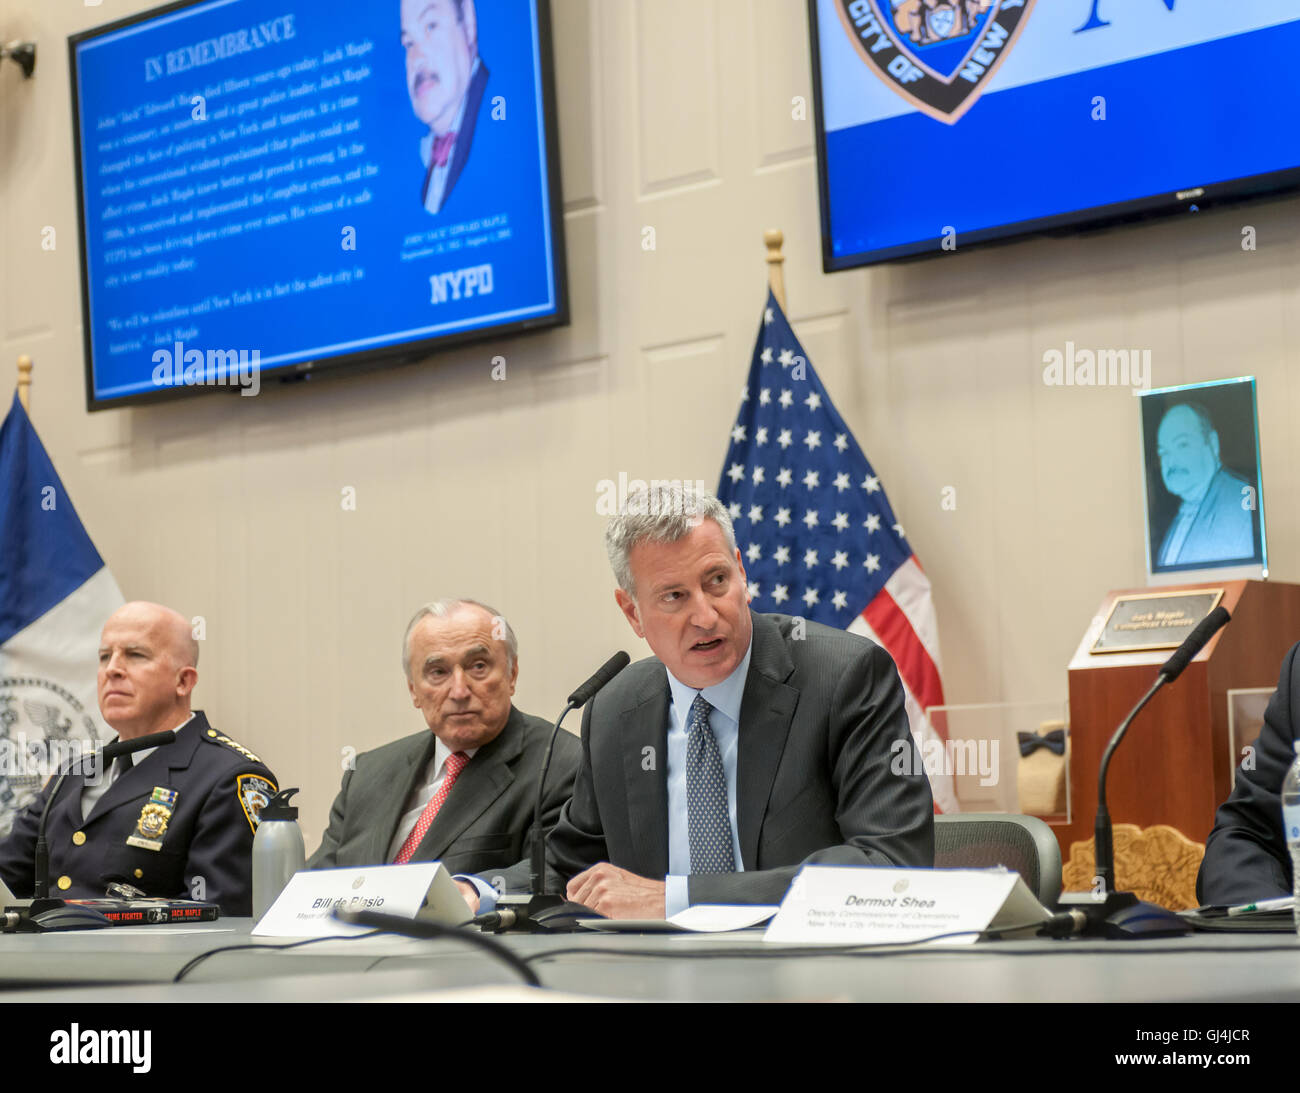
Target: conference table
(139, 964)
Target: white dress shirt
(96, 787)
(724, 720)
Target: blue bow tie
(1053, 741)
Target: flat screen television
(944, 124)
(271, 188)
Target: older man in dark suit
(464, 791)
(749, 746)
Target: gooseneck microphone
(516, 912)
(1092, 912)
(604, 674)
(1172, 669)
(97, 760)
(579, 698)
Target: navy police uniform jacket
(179, 824)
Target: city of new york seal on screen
(939, 55)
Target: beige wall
(675, 115)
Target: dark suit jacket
(209, 832)
(1221, 530)
(814, 783)
(1246, 856)
(464, 138)
(484, 823)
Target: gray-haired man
(464, 791)
(748, 746)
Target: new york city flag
(56, 593)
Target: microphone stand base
(45, 915)
(1120, 916)
(524, 908)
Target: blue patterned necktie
(709, 821)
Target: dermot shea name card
(306, 906)
(847, 905)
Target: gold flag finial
(25, 381)
(774, 238)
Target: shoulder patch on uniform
(255, 793)
(214, 737)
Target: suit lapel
(644, 727)
(766, 711)
(404, 773)
(153, 770)
(483, 780)
(464, 139)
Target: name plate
(1154, 620)
(306, 906)
(860, 905)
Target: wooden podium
(1173, 766)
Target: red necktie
(442, 149)
(455, 764)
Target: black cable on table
(192, 964)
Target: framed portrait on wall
(1203, 490)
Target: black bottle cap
(279, 808)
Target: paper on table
(704, 918)
(717, 917)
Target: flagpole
(25, 381)
(774, 237)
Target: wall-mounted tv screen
(948, 123)
(269, 188)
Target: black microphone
(1215, 621)
(1155, 921)
(97, 761)
(604, 674)
(538, 900)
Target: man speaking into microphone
(174, 821)
(748, 746)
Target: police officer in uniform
(175, 820)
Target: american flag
(815, 528)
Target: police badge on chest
(151, 825)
